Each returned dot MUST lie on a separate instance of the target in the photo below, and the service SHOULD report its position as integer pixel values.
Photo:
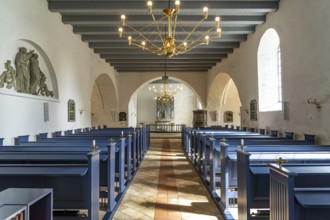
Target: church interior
(164, 109)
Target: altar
(164, 125)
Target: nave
(166, 186)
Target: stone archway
(104, 103)
(142, 106)
(223, 97)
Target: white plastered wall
(302, 28)
(75, 65)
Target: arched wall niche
(223, 96)
(45, 64)
(104, 102)
(184, 98)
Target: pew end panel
(21, 139)
(41, 136)
(310, 138)
(289, 135)
(289, 202)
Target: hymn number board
(71, 110)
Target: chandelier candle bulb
(149, 6)
(143, 45)
(206, 12)
(219, 32)
(129, 40)
(120, 31)
(177, 6)
(94, 143)
(207, 39)
(123, 17)
(242, 142)
(217, 22)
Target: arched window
(269, 72)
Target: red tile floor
(166, 186)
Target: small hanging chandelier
(165, 93)
(149, 38)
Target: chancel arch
(104, 103)
(223, 97)
(142, 107)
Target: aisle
(166, 187)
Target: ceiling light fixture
(149, 38)
(165, 93)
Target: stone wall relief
(27, 77)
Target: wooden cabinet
(199, 118)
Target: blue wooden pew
(37, 204)
(227, 162)
(253, 177)
(113, 163)
(72, 141)
(76, 186)
(290, 199)
(12, 211)
(201, 157)
(194, 140)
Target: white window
(269, 72)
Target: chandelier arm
(141, 35)
(175, 20)
(157, 52)
(193, 30)
(157, 25)
(193, 43)
(189, 49)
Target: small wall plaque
(228, 117)
(253, 110)
(71, 110)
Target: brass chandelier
(165, 93)
(149, 38)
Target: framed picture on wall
(71, 110)
(228, 117)
(253, 110)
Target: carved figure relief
(28, 77)
(8, 76)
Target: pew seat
(313, 197)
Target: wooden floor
(166, 186)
